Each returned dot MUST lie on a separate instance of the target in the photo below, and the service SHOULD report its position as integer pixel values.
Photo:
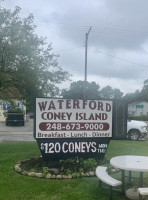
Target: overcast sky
(117, 42)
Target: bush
(139, 118)
(68, 166)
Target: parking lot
(16, 133)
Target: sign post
(70, 127)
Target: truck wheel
(134, 135)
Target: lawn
(14, 186)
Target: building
(5, 106)
(138, 108)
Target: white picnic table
(130, 163)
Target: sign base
(53, 149)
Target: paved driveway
(16, 133)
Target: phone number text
(45, 126)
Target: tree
(76, 90)
(138, 95)
(109, 93)
(143, 94)
(27, 64)
(131, 97)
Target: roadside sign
(72, 127)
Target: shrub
(139, 118)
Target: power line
(122, 59)
(121, 30)
(97, 30)
(63, 26)
(69, 49)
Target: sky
(117, 53)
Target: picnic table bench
(103, 176)
(143, 191)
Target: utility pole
(85, 78)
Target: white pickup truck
(136, 129)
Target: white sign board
(72, 118)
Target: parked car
(15, 118)
(136, 129)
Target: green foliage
(81, 170)
(89, 164)
(76, 175)
(131, 97)
(68, 171)
(144, 92)
(139, 118)
(13, 107)
(69, 166)
(5, 113)
(28, 67)
(109, 93)
(76, 164)
(45, 171)
(76, 90)
(138, 95)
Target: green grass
(14, 186)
